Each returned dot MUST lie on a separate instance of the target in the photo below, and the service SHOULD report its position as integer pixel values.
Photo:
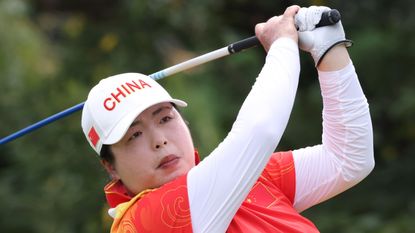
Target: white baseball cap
(114, 103)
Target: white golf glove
(318, 41)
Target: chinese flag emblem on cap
(93, 136)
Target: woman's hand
(278, 27)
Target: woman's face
(156, 149)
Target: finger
(259, 28)
(289, 14)
(274, 18)
(291, 11)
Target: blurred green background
(53, 51)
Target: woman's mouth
(168, 161)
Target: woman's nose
(159, 139)
(160, 144)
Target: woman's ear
(110, 168)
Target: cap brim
(118, 132)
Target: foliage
(53, 52)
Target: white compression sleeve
(220, 183)
(346, 154)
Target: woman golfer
(242, 186)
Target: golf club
(327, 18)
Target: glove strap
(348, 43)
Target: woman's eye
(165, 119)
(135, 135)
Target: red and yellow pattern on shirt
(165, 209)
(267, 208)
(269, 205)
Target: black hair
(106, 154)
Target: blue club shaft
(158, 75)
(42, 123)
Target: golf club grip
(327, 18)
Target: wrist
(336, 58)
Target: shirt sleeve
(345, 156)
(220, 183)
